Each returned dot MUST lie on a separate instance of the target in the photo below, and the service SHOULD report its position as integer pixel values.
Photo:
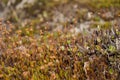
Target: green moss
(96, 18)
(112, 48)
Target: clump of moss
(31, 53)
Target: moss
(96, 19)
(53, 55)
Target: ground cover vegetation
(60, 40)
